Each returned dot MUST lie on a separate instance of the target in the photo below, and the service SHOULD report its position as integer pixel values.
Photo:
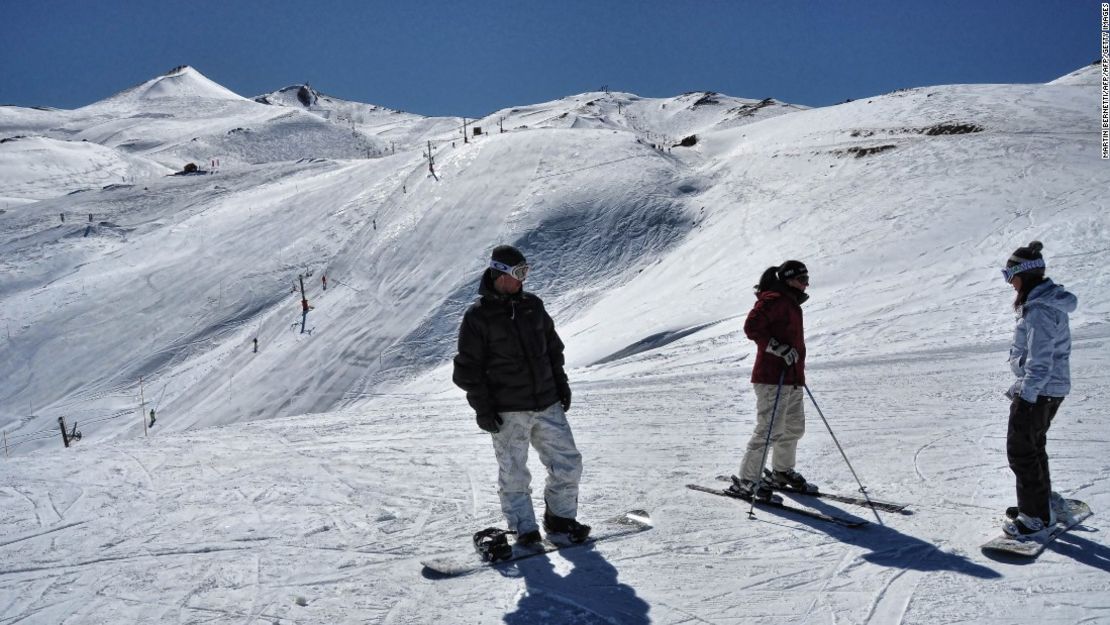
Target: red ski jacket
(778, 315)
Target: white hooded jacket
(1042, 343)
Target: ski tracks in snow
(891, 603)
(406, 477)
(966, 432)
(40, 508)
(9, 541)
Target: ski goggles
(520, 272)
(1009, 272)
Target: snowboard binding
(492, 544)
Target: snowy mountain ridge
(165, 110)
(612, 222)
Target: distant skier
(1039, 358)
(256, 345)
(775, 324)
(510, 363)
(151, 417)
(324, 279)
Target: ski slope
(305, 482)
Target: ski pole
(862, 488)
(767, 442)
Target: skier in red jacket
(775, 324)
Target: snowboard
(454, 565)
(1076, 513)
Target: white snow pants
(548, 431)
(790, 425)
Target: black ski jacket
(510, 357)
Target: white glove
(784, 351)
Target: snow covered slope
(41, 168)
(324, 519)
(396, 129)
(902, 227)
(900, 222)
(304, 482)
(580, 196)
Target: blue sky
(470, 58)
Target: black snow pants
(1025, 449)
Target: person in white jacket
(1039, 358)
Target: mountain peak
(181, 69)
(304, 94)
(185, 81)
(181, 82)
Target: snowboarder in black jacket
(510, 363)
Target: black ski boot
(792, 480)
(1026, 527)
(575, 531)
(747, 489)
(527, 539)
(492, 544)
(1057, 512)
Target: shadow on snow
(1082, 550)
(590, 593)
(888, 546)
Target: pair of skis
(866, 502)
(777, 504)
(813, 514)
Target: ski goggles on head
(1009, 272)
(802, 277)
(520, 272)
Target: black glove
(490, 422)
(564, 398)
(782, 350)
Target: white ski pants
(790, 425)
(547, 431)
